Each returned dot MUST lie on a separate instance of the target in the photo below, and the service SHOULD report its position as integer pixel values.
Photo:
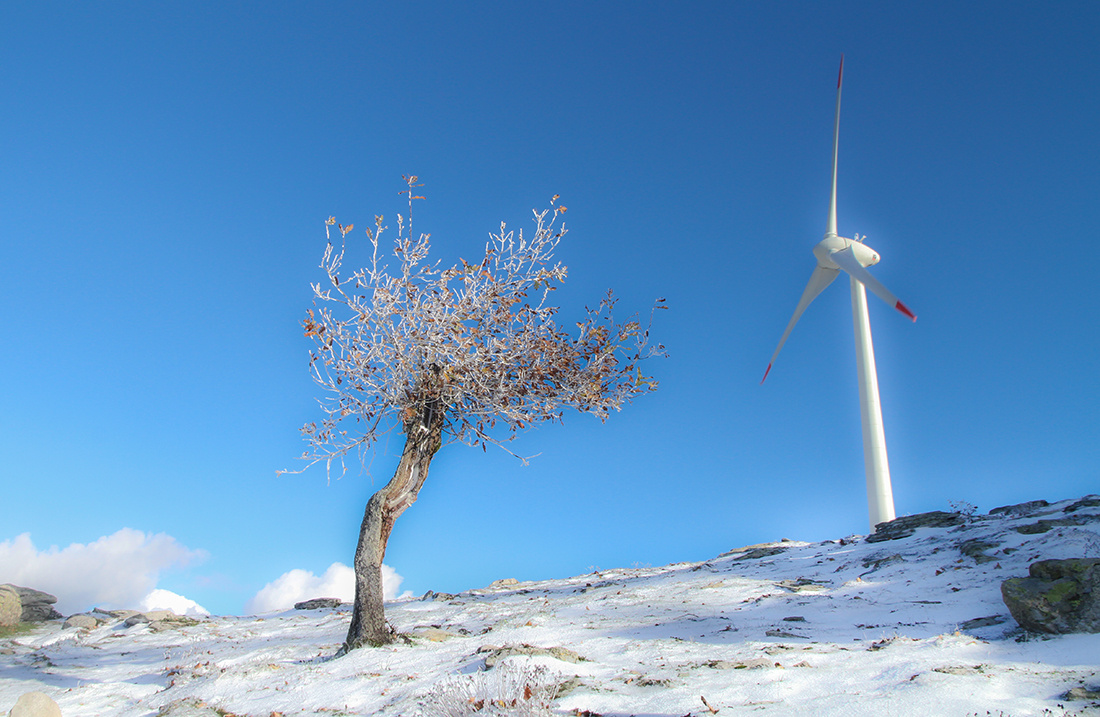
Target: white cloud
(117, 570)
(298, 585)
(161, 599)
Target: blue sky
(167, 169)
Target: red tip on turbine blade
(765, 375)
(905, 310)
(840, 76)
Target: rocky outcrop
(438, 597)
(503, 583)
(1089, 501)
(35, 704)
(1020, 508)
(757, 553)
(317, 603)
(37, 606)
(1044, 525)
(1058, 597)
(906, 525)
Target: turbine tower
(835, 254)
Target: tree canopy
(481, 341)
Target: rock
(1045, 525)
(961, 669)
(772, 549)
(1089, 501)
(171, 622)
(11, 607)
(782, 634)
(1020, 508)
(982, 622)
(503, 583)
(1081, 693)
(1059, 597)
(654, 682)
(976, 549)
(35, 704)
(155, 615)
(191, 708)
(113, 614)
(905, 526)
(81, 621)
(757, 553)
(317, 603)
(877, 562)
(37, 605)
(435, 634)
(136, 619)
(802, 584)
(494, 654)
(438, 597)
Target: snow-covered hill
(911, 626)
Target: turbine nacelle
(864, 255)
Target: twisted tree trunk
(423, 437)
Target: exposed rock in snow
(317, 603)
(905, 526)
(1059, 597)
(37, 606)
(35, 704)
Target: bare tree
(471, 353)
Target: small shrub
(516, 688)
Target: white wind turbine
(835, 253)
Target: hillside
(909, 626)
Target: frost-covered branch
(481, 340)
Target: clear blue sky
(167, 167)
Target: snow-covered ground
(914, 626)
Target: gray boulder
(1058, 597)
(317, 603)
(438, 597)
(906, 525)
(757, 553)
(82, 620)
(11, 607)
(35, 704)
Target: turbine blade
(846, 260)
(831, 227)
(820, 279)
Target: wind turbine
(835, 254)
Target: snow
(842, 627)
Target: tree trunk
(423, 437)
